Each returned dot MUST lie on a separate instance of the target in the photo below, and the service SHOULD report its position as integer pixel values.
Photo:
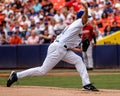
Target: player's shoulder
(77, 22)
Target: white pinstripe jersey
(70, 35)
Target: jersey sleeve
(77, 23)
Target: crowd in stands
(39, 22)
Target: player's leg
(50, 61)
(90, 57)
(55, 54)
(85, 58)
(73, 58)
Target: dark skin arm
(84, 21)
(85, 15)
(76, 49)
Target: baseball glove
(85, 44)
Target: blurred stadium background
(18, 18)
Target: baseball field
(62, 83)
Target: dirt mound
(52, 91)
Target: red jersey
(88, 32)
(74, 4)
(16, 40)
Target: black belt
(64, 45)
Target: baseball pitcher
(58, 50)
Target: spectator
(18, 4)
(97, 12)
(71, 16)
(6, 28)
(37, 7)
(107, 30)
(3, 39)
(97, 32)
(48, 34)
(15, 39)
(33, 15)
(10, 18)
(104, 19)
(89, 33)
(108, 8)
(7, 10)
(47, 5)
(59, 27)
(32, 22)
(41, 14)
(117, 17)
(24, 21)
(102, 5)
(111, 18)
(117, 5)
(65, 13)
(46, 37)
(24, 32)
(52, 13)
(51, 30)
(42, 25)
(33, 26)
(103, 22)
(37, 28)
(73, 3)
(33, 39)
(115, 27)
(18, 29)
(59, 16)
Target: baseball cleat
(12, 78)
(89, 87)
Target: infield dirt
(52, 91)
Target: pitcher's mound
(52, 91)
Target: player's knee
(42, 71)
(78, 60)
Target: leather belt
(65, 46)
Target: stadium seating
(2, 17)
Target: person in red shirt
(15, 39)
(75, 4)
(89, 33)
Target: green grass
(100, 81)
(107, 81)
